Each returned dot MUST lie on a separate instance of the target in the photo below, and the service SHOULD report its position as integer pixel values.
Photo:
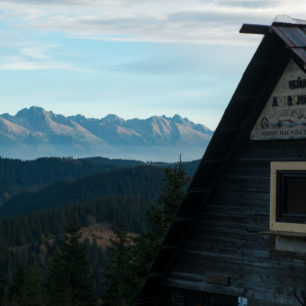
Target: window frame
(278, 220)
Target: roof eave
(248, 28)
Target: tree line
(17, 175)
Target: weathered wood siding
(179, 297)
(226, 238)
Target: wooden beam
(254, 29)
(283, 233)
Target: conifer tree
(15, 290)
(77, 265)
(69, 281)
(32, 291)
(130, 266)
(159, 218)
(118, 276)
(25, 288)
(56, 281)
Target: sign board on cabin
(284, 116)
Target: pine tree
(32, 291)
(159, 218)
(118, 276)
(25, 288)
(56, 281)
(130, 267)
(69, 281)
(75, 259)
(15, 291)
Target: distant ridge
(34, 132)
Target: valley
(39, 197)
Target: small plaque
(219, 279)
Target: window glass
(296, 195)
(291, 196)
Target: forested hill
(97, 191)
(146, 180)
(17, 175)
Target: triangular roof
(281, 42)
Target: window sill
(284, 234)
(293, 242)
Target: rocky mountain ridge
(34, 132)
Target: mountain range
(34, 132)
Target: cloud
(182, 21)
(247, 4)
(217, 17)
(39, 52)
(14, 63)
(160, 21)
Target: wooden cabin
(240, 235)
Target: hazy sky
(134, 58)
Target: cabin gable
(222, 244)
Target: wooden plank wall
(179, 297)
(225, 240)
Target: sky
(132, 58)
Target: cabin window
(291, 196)
(288, 196)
